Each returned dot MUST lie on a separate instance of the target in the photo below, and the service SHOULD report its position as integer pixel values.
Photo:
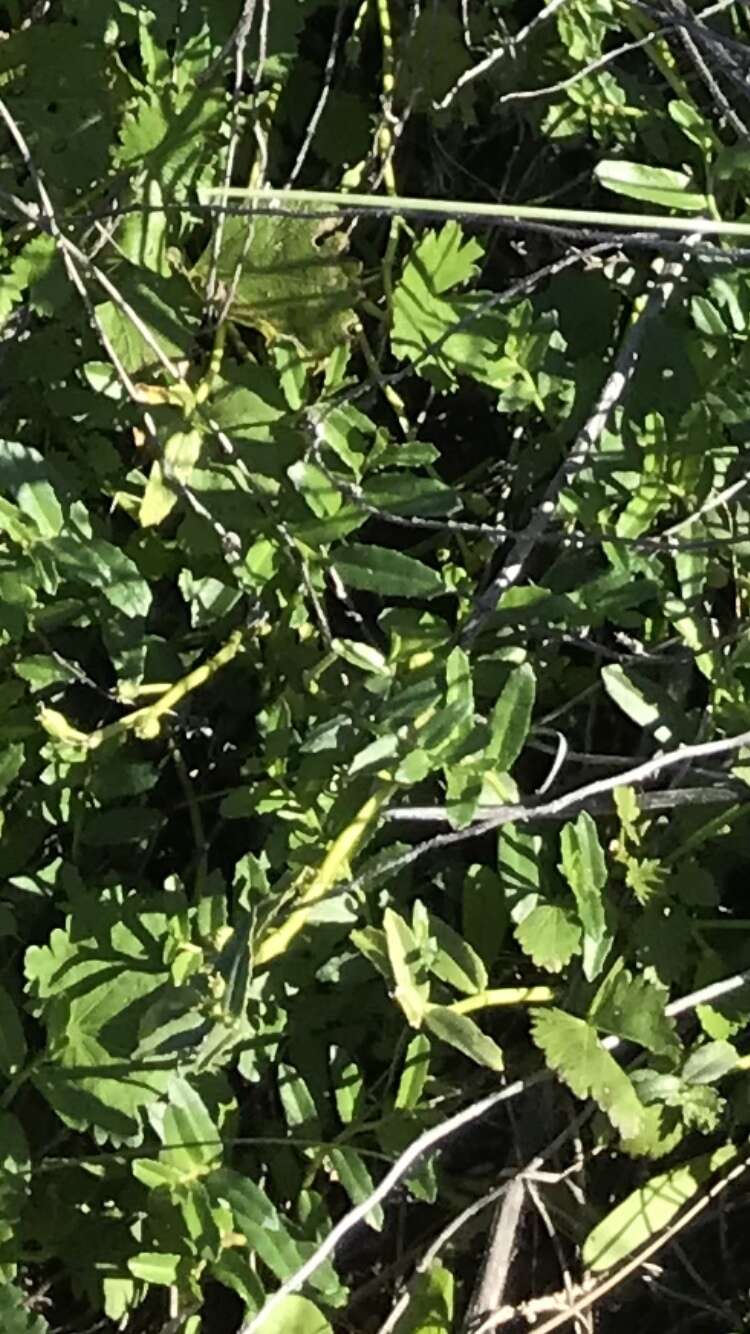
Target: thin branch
(320, 105)
(436, 1135)
(495, 1271)
(669, 799)
(509, 47)
(522, 813)
(613, 392)
(630, 1266)
(428, 1140)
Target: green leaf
(430, 1309)
(519, 865)
(365, 656)
(92, 999)
(160, 1267)
(348, 1083)
(484, 913)
(12, 758)
(655, 185)
(191, 1141)
(424, 318)
(459, 1031)
(511, 717)
(649, 1210)
(258, 1219)
(414, 1073)
(585, 870)
(15, 1316)
(167, 312)
(709, 1063)
(573, 1050)
(633, 1008)
(693, 125)
(405, 961)
(96, 562)
(38, 501)
(550, 936)
(318, 492)
(644, 704)
(295, 1315)
(296, 280)
(355, 1178)
(299, 1105)
(180, 455)
(388, 573)
(456, 963)
(377, 753)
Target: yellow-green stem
(387, 143)
(334, 866)
(146, 721)
(658, 52)
(486, 1000)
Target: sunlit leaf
(650, 1209)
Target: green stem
(334, 866)
(503, 996)
(386, 143)
(146, 722)
(450, 208)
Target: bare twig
(600, 1289)
(436, 1135)
(493, 1281)
(612, 394)
(323, 96)
(508, 48)
(670, 799)
(522, 813)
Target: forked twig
(437, 1135)
(614, 389)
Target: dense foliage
(310, 520)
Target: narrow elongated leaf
(365, 656)
(655, 185)
(710, 1062)
(459, 1031)
(298, 1103)
(354, 1176)
(650, 1209)
(403, 955)
(456, 962)
(644, 704)
(484, 915)
(414, 1073)
(190, 1138)
(389, 573)
(585, 870)
(258, 1219)
(511, 717)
